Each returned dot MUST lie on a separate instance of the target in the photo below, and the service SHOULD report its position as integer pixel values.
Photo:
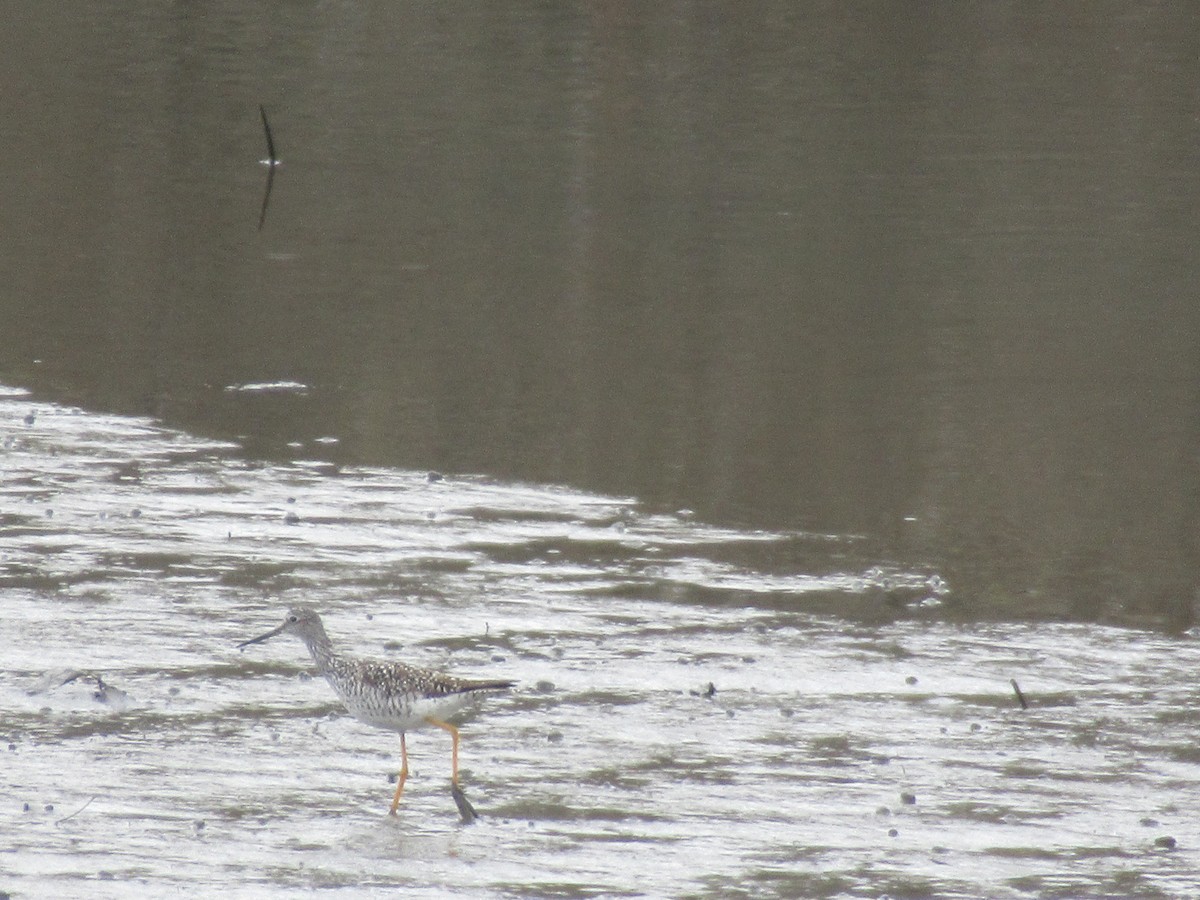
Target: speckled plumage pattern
(387, 694)
(391, 695)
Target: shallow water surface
(692, 718)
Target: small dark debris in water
(465, 809)
(787, 712)
(136, 513)
(435, 476)
(291, 519)
(272, 159)
(291, 499)
(975, 726)
(498, 657)
(1166, 842)
(12, 747)
(883, 811)
(1017, 690)
(128, 471)
(49, 807)
(892, 832)
(729, 714)
(749, 660)
(201, 824)
(555, 737)
(77, 812)
(305, 676)
(544, 686)
(1149, 823)
(30, 419)
(708, 692)
(49, 513)
(25, 807)
(272, 162)
(173, 691)
(911, 679)
(908, 799)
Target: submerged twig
(272, 161)
(78, 811)
(1017, 690)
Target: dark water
(918, 274)
(800, 349)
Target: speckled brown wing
(396, 678)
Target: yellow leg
(446, 726)
(400, 779)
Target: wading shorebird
(390, 695)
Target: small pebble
(786, 712)
(434, 476)
(911, 679)
(25, 807)
(908, 799)
(555, 737)
(544, 686)
(883, 811)
(291, 519)
(975, 726)
(1166, 842)
(1148, 822)
(892, 832)
(49, 807)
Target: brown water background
(922, 273)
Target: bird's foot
(465, 809)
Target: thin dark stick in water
(1017, 691)
(272, 159)
(262, 215)
(78, 811)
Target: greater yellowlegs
(388, 694)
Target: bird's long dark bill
(261, 637)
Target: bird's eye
(293, 618)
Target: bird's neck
(321, 648)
